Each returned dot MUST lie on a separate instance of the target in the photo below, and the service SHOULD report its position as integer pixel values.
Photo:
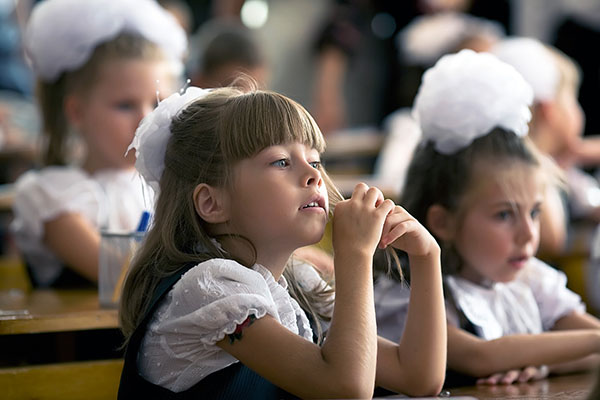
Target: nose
(529, 229)
(312, 176)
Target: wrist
(433, 254)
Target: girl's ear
(211, 204)
(73, 110)
(440, 222)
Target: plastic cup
(116, 252)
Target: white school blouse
(206, 304)
(532, 303)
(110, 199)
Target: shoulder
(218, 278)
(50, 178)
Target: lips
(519, 261)
(316, 201)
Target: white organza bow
(153, 133)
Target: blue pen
(144, 221)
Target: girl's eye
(315, 164)
(504, 215)
(535, 213)
(281, 163)
(124, 106)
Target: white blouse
(208, 302)
(532, 303)
(112, 200)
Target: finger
(374, 196)
(398, 230)
(527, 374)
(510, 377)
(490, 380)
(359, 190)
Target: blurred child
(421, 43)
(101, 67)
(225, 49)
(478, 184)
(556, 126)
(215, 307)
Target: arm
(553, 232)
(329, 103)
(577, 321)
(417, 365)
(480, 358)
(345, 365)
(75, 242)
(587, 151)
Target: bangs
(262, 119)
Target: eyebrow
(513, 204)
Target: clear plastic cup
(116, 252)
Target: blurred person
(420, 44)
(359, 77)
(222, 50)
(557, 124)
(101, 66)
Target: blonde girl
(99, 65)
(478, 185)
(215, 307)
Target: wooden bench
(91, 380)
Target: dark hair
(443, 179)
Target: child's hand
(527, 374)
(402, 231)
(358, 221)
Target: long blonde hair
(208, 138)
(51, 95)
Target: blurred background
(354, 64)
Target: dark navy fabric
(234, 382)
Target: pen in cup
(141, 228)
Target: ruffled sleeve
(225, 293)
(549, 287)
(203, 307)
(43, 195)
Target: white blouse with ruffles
(110, 199)
(208, 302)
(532, 303)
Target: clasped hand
(367, 220)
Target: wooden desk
(42, 311)
(573, 387)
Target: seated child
(478, 184)
(99, 66)
(215, 307)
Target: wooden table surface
(573, 387)
(41, 311)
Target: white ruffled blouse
(532, 303)
(208, 302)
(110, 199)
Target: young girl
(478, 185)
(557, 124)
(209, 307)
(99, 67)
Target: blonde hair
(208, 137)
(568, 70)
(51, 95)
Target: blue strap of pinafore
(234, 382)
